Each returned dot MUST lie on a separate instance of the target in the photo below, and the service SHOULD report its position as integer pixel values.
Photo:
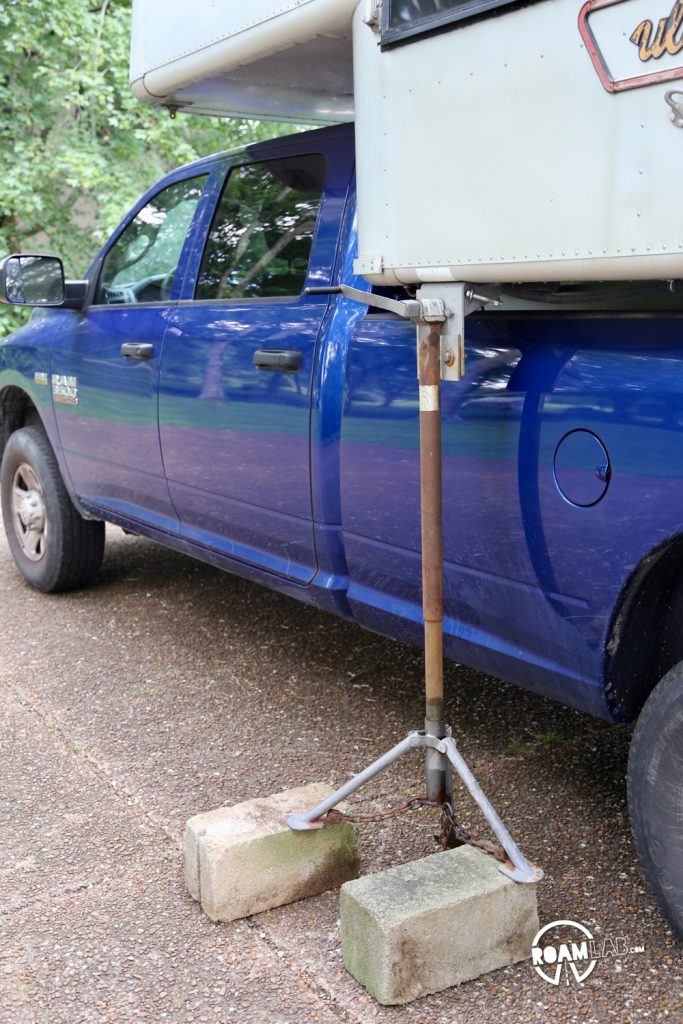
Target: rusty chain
(452, 833)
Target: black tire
(655, 793)
(53, 546)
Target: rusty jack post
(431, 505)
(439, 312)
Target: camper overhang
(272, 59)
(496, 140)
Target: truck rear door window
(260, 240)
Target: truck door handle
(285, 359)
(137, 350)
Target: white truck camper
(497, 141)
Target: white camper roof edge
(162, 74)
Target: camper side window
(260, 240)
(402, 19)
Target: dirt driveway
(169, 688)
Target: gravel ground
(169, 688)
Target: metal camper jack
(439, 312)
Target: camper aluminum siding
(535, 143)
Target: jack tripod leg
(312, 818)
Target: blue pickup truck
(202, 388)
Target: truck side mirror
(28, 280)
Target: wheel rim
(29, 516)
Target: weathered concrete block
(243, 859)
(436, 922)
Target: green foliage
(76, 148)
(538, 741)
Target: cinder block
(243, 859)
(436, 922)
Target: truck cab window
(142, 263)
(260, 239)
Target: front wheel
(655, 793)
(52, 545)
